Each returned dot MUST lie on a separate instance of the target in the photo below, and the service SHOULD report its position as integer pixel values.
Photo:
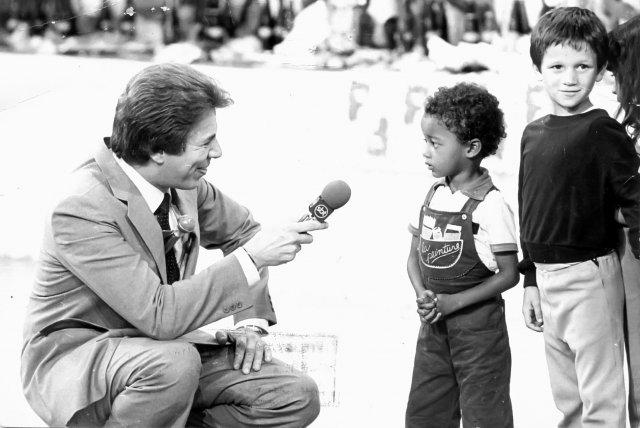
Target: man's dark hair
(469, 111)
(158, 109)
(572, 26)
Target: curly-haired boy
(577, 169)
(463, 256)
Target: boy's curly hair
(469, 111)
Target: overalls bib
(462, 366)
(449, 262)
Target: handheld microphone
(333, 196)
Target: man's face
(444, 154)
(183, 171)
(568, 75)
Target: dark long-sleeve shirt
(575, 172)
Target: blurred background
(323, 90)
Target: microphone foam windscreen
(336, 194)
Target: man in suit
(111, 329)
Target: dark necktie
(162, 214)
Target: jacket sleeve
(226, 225)
(89, 243)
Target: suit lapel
(186, 202)
(138, 211)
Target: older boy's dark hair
(469, 111)
(572, 26)
(158, 109)
(624, 62)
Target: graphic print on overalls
(441, 242)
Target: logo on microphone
(321, 211)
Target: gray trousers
(153, 383)
(582, 307)
(631, 275)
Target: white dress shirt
(154, 197)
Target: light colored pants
(582, 309)
(153, 383)
(631, 275)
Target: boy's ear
(474, 147)
(601, 72)
(157, 157)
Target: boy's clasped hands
(433, 307)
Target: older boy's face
(568, 75)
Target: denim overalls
(462, 365)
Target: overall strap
(432, 191)
(472, 203)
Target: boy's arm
(424, 299)
(413, 269)
(526, 266)
(504, 279)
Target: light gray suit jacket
(101, 274)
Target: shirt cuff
(504, 248)
(249, 269)
(259, 322)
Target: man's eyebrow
(208, 139)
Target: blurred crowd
(339, 32)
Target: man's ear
(474, 147)
(157, 157)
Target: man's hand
(428, 307)
(275, 247)
(531, 309)
(251, 350)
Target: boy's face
(568, 75)
(444, 154)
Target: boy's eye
(584, 67)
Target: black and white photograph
(324, 213)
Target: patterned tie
(162, 214)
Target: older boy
(577, 168)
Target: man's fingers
(308, 226)
(250, 353)
(259, 355)
(267, 353)
(241, 346)
(222, 337)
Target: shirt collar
(476, 189)
(150, 193)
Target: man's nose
(215, 151)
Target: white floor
(287, 135)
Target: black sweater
(575, 172)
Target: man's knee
(307, 395)
(176, 366)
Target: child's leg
(482, 363)
(582, 310)
(433, 399)
(631, 275)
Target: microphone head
(336, 194)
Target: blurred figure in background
(625, 65)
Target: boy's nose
(570, 77)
